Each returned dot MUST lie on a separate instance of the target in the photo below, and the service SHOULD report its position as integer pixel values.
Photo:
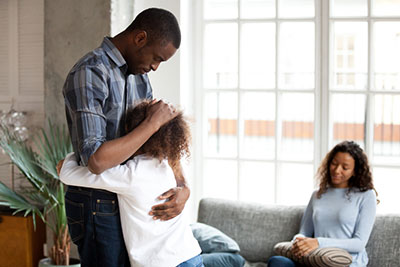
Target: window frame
(323, 114)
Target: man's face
(149, 57)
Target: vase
(46, 262)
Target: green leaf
(15, 201)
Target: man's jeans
(95, 227)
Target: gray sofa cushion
(383, 246)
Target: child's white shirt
(138, 183)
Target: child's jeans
(196, 261)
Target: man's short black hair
(159, 24)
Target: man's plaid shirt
(98, 91)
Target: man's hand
(177, 198)
(304, 246)
(160, 113)
(59, 166)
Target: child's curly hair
(170, 142)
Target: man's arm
(176, 196)
(85, 93)
(114, 152)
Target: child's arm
(117, 179)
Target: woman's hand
(304, 246)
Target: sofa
(257, 228)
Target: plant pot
(46, 262)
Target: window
(283, 81)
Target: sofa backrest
(383, 246)
(257, 228)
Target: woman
(138, 183)
(341, 213)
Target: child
(138, 183)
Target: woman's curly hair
(362, 177)
(170, 142)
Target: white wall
(166, 80)
(121, 15)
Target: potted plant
(45, 196)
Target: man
(98, 91)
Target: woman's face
(341, 169)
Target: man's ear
(140, 39)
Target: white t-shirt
(138, 183)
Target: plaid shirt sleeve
(85, 92)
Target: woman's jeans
(196, 261)
(279, 261)
(95, 227)
(223, 259)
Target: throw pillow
(213, 240)
(321, 257)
